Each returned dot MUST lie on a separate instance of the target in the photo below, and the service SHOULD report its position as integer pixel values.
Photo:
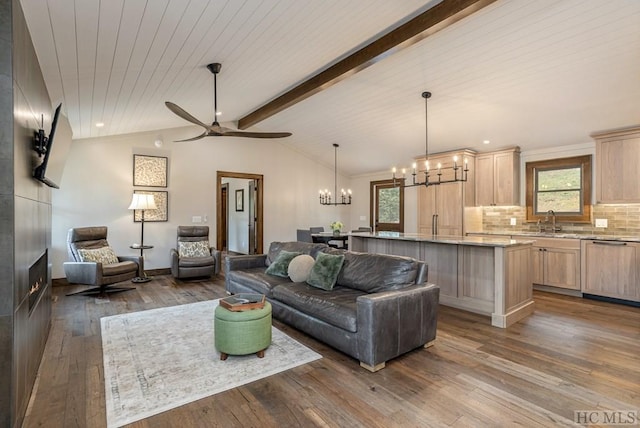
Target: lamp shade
(141, 201)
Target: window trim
(585, 163)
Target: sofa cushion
(301, 247)
(377, 272)
(104, 255)
(325, 270)
(300, 268)
(196, 261)
(119, 268)
(336, 307)
(280, 265)
(257, 280)
(194, 249)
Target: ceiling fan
(215, 130)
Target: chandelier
(429, 179)
(325, 195)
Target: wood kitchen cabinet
(498, 177)
(556, 262)
(446, 201)
(611, 269)
(617, 160)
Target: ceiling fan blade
(183, 114)
(215, 130)
(256, 134)
(204, 134)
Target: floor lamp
(142, 202)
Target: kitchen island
(489, 276)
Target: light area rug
(159, 359)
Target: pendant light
(429, 180)
(325, 195)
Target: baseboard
(162, 271)
(612, 300)
(61, 282)
(557, 290)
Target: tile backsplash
(623, 220)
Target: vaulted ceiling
(530, 73)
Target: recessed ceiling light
(99, 124)
(486, 142)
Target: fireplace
(38, 279)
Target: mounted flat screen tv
(42, 145)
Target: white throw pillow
(104, 255)
(300, 267)
(193, 249)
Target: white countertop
(445, 239)
(561, 235)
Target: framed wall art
(240, 200)
(162, 202)
(150, 171)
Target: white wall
(97, 185)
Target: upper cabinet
(498, 177)
(441, 208)
(617, 160)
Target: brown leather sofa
(205, 265)
(380, 307)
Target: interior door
(224, 211)
(253, 197)
(258, 209)
(387, 206)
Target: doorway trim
(374, 186)
(259, 208)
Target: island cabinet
(489, 276)
(617, 159)
(556, 262)
(498, 177)
(611, 269)
(441, 208)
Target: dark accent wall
(25, 215)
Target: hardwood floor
(571, 354)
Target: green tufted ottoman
(242, 332)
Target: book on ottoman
(243, 302)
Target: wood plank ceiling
(535, 74)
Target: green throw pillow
(280, 266)
(324, 272)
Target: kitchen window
(562, 186)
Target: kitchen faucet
(553, 222)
